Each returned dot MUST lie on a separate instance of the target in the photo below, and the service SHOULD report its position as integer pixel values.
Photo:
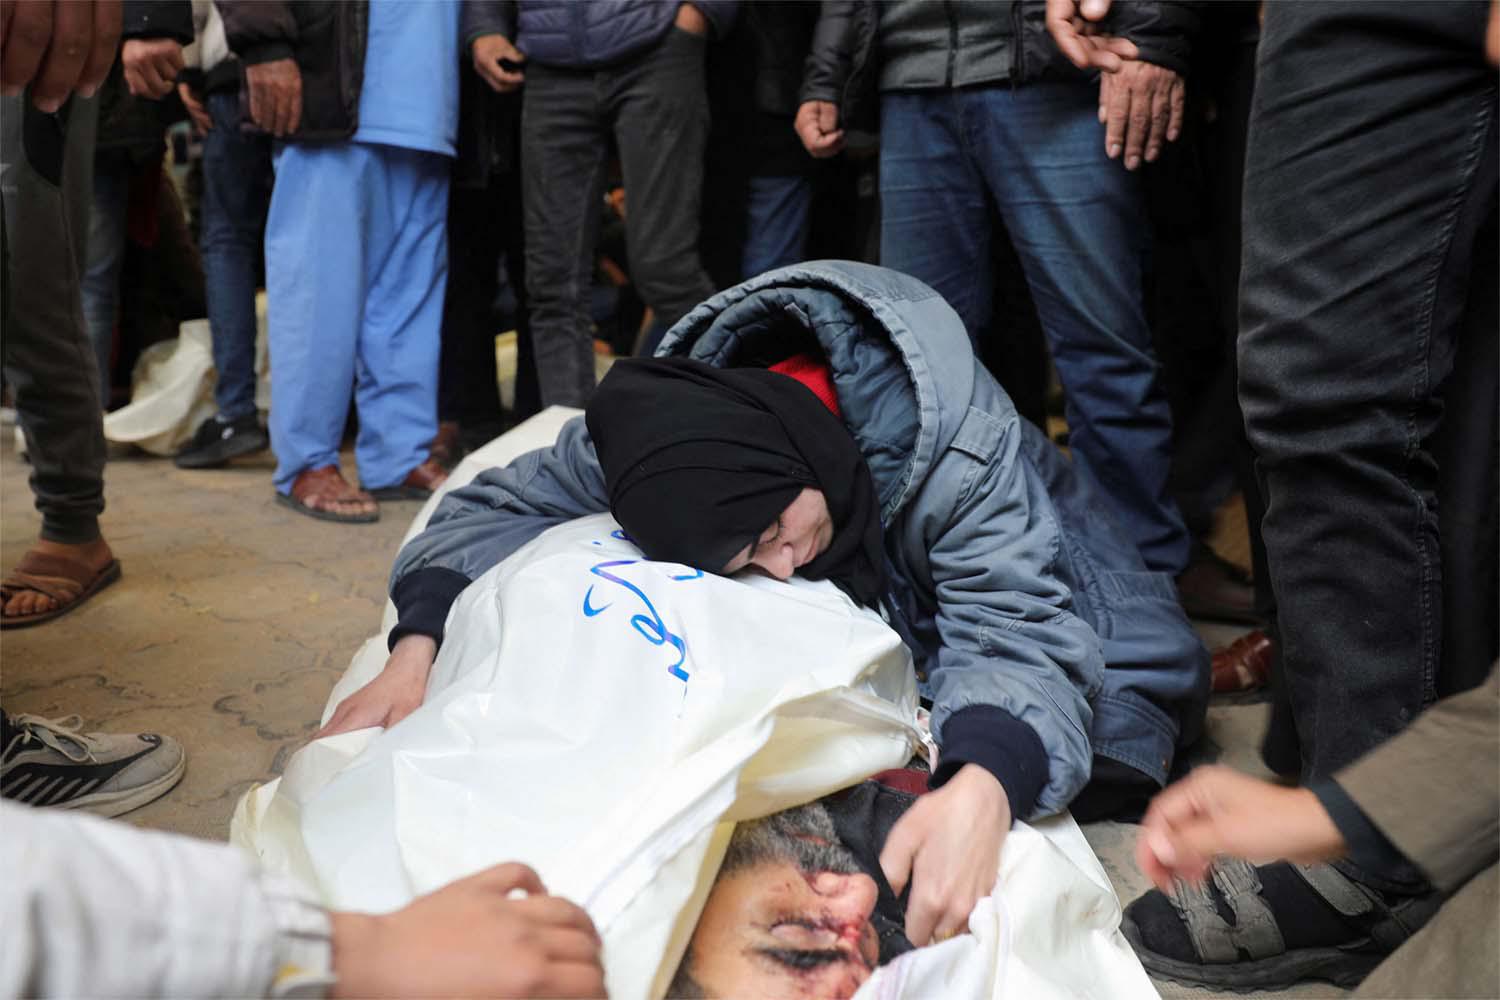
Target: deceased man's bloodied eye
(788, 916)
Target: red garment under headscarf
(813, 372)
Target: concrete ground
(236, 615)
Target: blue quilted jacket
(584, 33)
(1031, 618)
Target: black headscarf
(700, 460)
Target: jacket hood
(902, 363)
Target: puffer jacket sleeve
(1008, 639)
(1163, 30)
(487, 17)
(259, 30)
(829, 59)
(478, 525)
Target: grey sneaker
(48, 762)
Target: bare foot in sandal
(325, 494)
(53, 577)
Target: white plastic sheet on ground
(605, 720)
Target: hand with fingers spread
(817, 125)
(472, 939)
(57, 46)
(1216, 810)
(393, 695)
(151, 65)
(1141, 109)
(275, 95)
(498, 63)
(948, 847)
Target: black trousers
(655, 108)
(1371, 172)
(46, 167)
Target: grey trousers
(46, 162)
(656, 108)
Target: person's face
(774, 931)
(802, 533)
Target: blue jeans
(100, 283)
(776, 220)
(1371, 171)
(1037, 153)
(236, 191)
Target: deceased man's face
(789, 915)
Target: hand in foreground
(1141, 108)
(57, 47)
(1216, 810)
(393, 695)
(1068, 21)
(203, 122)
(275, 95)
(470, 939)
(488, 52)
(817, 125)
(948, 846)
(151, 65)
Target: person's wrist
(416, 650)
(1315, 829)
(979, 781)
(356, 952)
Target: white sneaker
(48, 762)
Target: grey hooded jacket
(1010, 584)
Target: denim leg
(400, 341)
(1079, 228)
(106, 255)
(776, 220)
(933, 209)
(563, 145)
(317, 244)
(235, 194)
(1371, 164)
(659, 105)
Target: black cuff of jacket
(422, 601)
(157, 19)
(1370, 849)
(264, 52)
(1001, 744)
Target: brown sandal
(67, 581)
(325, 486)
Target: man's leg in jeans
(48, 358)
(777, 216)
(236, 189)
(933, 209)
(563, 146)
(660, 111)
(1079, 228)
(108, 207)
(1371, 163)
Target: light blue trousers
(356, 265)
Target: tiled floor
(234, 618)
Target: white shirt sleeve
(90, 907)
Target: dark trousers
(45, 166)
(1371, 170)
(484, 225)
(236, 194)
(655, 107)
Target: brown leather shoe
(1244, 664)
(418, 484)
(1213, 588)
(446, 448)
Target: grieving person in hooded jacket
(830, 420)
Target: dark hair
(683, 985)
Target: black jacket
(861, 47)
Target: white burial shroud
(605, 720)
